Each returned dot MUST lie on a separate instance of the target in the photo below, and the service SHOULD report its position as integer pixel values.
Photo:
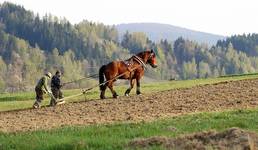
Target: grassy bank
(25, 99)
(117, 136)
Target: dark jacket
(55, 82)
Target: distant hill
(156, 31)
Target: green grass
(23, 100)
(117, 136)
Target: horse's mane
(141, 54)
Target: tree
(3, 71)
(135, 42)
(204, 70)
(189, 70)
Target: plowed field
(146, 107)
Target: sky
(223, 17)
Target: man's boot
(36, 105)
(52, 102)
(60, 102)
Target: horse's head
(151, 58)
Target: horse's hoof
(138, 93)
(115, 96)
(126, 94)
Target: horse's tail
(101, 77)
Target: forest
(31, 45)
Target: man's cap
(58, 72)
(49, 74)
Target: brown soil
(216, 97)
(231, 139)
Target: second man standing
(56, 89)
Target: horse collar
(139, 60)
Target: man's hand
(44, 91)
(83, 92)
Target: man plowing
(41, 89)
(56, 90)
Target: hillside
(31, 45)
(156, 32)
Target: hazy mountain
(156, 31)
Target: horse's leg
(102, 84)
(102, 93)
(138, 91)
(132, 81)
(110, 86)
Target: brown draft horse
(131, 69)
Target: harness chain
(94, 75)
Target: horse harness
(129, 62)
(139, 60)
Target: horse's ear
(151, 51)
